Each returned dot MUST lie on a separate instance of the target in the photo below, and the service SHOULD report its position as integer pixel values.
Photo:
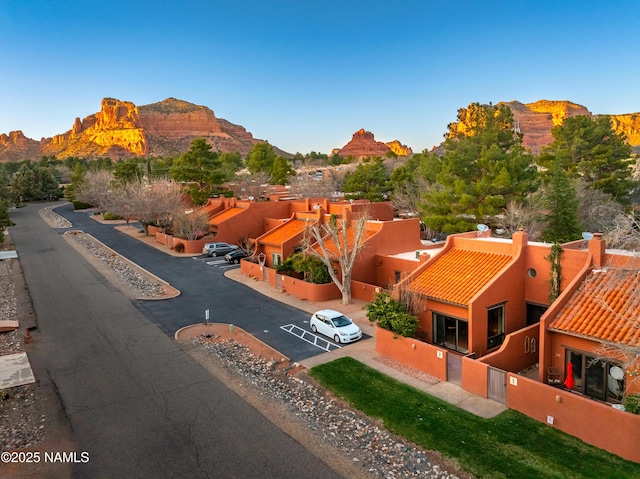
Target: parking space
(217, 261)
(319, 342)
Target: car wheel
(236, 261)
(336, 338)
(313, 328)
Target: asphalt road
(137, 404)
(202, 287)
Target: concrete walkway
(364, 351)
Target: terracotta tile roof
(351, 235)
(225, 215)
(458, 275)
(285, 232)
(606, 307)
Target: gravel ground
(22, 416)
(364, 443)
(362, 440)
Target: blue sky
(305, 75)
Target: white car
(335, 325)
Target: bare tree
(156, 204)
(190, 225)
(598, 210)
(338, 243)
(517, 215)
(623, 232)
(96, 190)
(306, 185)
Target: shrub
(312, 268)
(632, 403)
(111, 216)
(179, 247)
(392, 315)
(80, 205)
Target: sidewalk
(364, 350)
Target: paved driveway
(202, 286)
(136, 402)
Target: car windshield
(341, 321)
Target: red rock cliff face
(15, 147)
(122, 130)
(363, 145)
(536, 120)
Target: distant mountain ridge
(122, 130)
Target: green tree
(588, 148)
(261, 158)
(560, 205)
(200, 169)
(126, 172)
(369, 180)
(33, 182)
(281, 171)
(483, 168)
(230, 163)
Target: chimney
(520, 239)
(597, 248)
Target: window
(495, 326)
(276, 259)
(596, 378)
(451, 333)
(398, 275)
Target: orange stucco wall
(412, 352)
(518, 352)
(475, 375)
(309, 291)
(593, 422)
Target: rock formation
(122, 130)
(399, 149)
(536, 120)
(15, 147)
(364, 145)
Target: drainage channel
(310, 338)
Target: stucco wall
(593, 422)
(413, 353)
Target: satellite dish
(482, 227)
(587, 236)
(617, 373)
(251, 198)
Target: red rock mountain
(364, 145)
(536, 120)
(122, 130)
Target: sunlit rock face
(628, 124)
(534, 120)
(364, 145)
(15, 146)
(399, 149)
(122, 130)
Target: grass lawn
(509, 445)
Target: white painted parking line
(310, 338)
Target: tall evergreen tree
(200, 169)
(560, 205)
(483, 168)
(588, 148)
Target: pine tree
(561, 208)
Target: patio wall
(595, 423)
(309, 291)
(412, 352)
(475, 377)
